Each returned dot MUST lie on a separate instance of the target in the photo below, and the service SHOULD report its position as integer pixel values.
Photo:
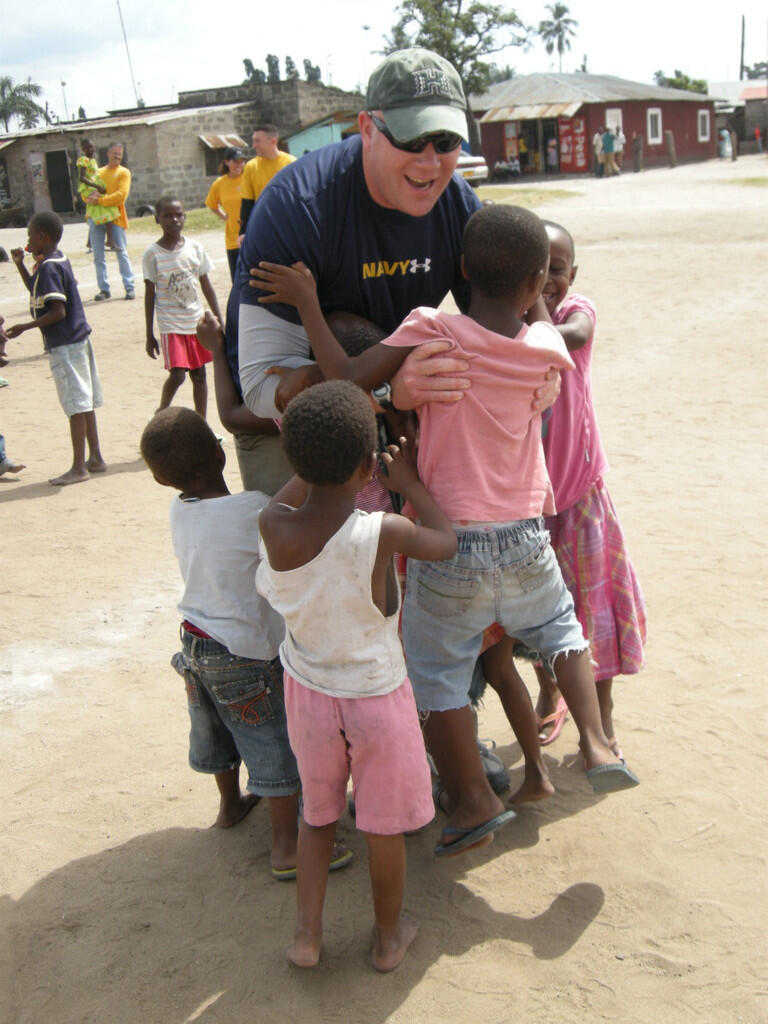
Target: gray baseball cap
(418, 92)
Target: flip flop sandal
(610, 778)
(556, 720)
(470, 836)
(340, 857)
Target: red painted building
(547, 121)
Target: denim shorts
(505, 573)
(237, 712)
(73, 368)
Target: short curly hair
(503, 246)
(179, 447)
(328, 431)
(48, 223)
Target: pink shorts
(376, 740)
(183, 351)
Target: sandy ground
(120, 905)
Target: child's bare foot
(9, 466)
(232, 814)
(96, 465)
(304, 951)
(536, 787)
(390, 947)
(72, 476)
(4, 360)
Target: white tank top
(337, 641)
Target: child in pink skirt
(585, 533)
(173, 265)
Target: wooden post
(637, 152)
(669, 140)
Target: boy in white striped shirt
(173, 265)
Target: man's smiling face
(409, 182)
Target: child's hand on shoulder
(294, 285)
(209, 332)
(397, 467)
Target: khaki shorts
(73, 368)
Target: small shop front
(536, 139)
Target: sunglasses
(444, 142)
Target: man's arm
(235, 416)
(296, 286)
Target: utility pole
(741, 61)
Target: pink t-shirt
(572, 445)
(481, 458)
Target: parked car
(473, 168)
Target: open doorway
(59, 181)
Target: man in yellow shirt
(260, 171)
(117, 180)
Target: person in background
(117, 180)
(619, 139)
(262, 169)
(224, 199)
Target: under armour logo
(430, 83)
(425, 266)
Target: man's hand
(293, 381)
(209, 332)
(425, 377)
(17, 255)
(294, 285)
(152, 346)
(16, 330)
(397, 467)
(546, 395)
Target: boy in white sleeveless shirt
(327, 567)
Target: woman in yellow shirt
(224, 199)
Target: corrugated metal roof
(551, 88)
(123, 120)
(6, 142)
(222, 141)
(532, 112)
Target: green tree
(680, 81)
(758, 70)
(254, 75)
(556, 29)
(464, 35)
(17, 101)
(273, 68)
(291, 71)
(312, 71)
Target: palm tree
(557, 29)
(16, 101)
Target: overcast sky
(178, 46)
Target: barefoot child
(586, 533)
(230, 635)
(172, 267)
(328, 568)
(89, 180)
(56, 309)
(483, 459)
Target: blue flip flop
(469, 836)
(610, 778)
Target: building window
(613, 118)
(702, 122)
(213, 158)
(653, 122)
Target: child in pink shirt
(482, 459)
(586, 533)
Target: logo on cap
(430, 82)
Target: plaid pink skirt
(589, 544)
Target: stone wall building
(174, 149)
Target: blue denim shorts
(505, 573)
(237, 712)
